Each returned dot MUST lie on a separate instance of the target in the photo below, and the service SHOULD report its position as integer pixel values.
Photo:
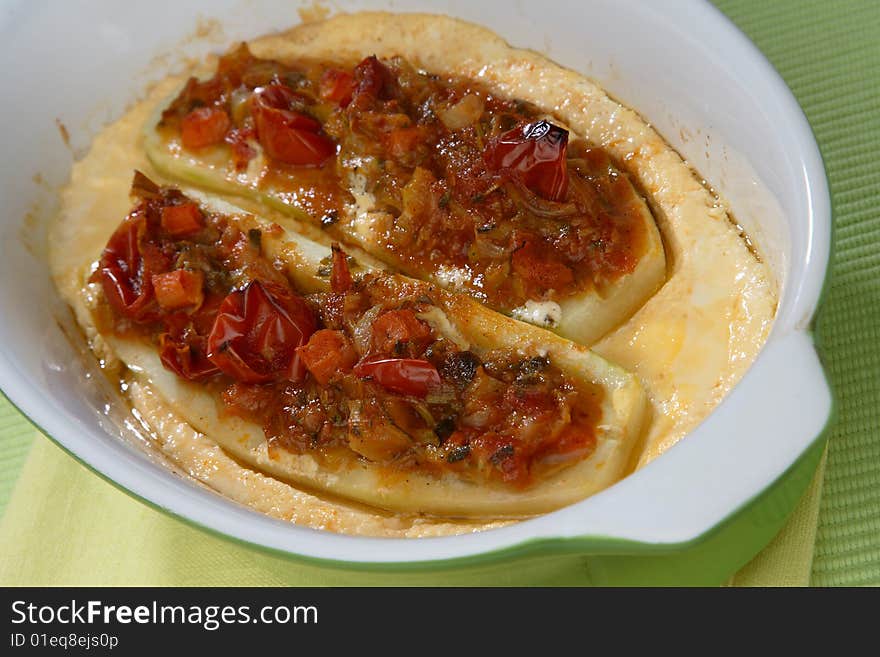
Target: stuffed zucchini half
(433, 170)
(355, 383)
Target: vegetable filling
(482, 193)
(371, 366)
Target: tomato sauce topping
(467, 184)
(358, 368)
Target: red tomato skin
(337, 86)
(340, 275)
(256, 333)
(372, 79)
(287, 135)
(405, 376)
(125, 274)
(535, 155)
(183, 347)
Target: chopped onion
(464, 113)
(443, 394)
(362, 329)
(538, 206)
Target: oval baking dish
(694, 514)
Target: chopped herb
(255, 236)
(330, 218)
(529, 369)
(501, 454)
(444, 200)
(325, 267)
(444, 429)
(460, 367)
(458, 453)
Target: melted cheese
(540, 313)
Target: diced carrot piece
(179, 289)
(326, 353)
(181, 220)
(204, 126)
(399, 326)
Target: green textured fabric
(16, 436)
(829, 54)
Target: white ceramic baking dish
(701, 509)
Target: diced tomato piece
(399, 326)
(540, 269)
(326, 353)
(340, 276)
(405, 376)
(337, 86)
(204, 126)
(535, 154)
(183, 348)
(287, 135)
(402, 141)
(182, 220)
(179, 289)
(257, 331)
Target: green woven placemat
(16, 435)
(829, 53)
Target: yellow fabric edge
(65, 526)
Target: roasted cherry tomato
(534, 154)
(405, 376)
(185, 359)
(287, 135)
(257, 331)
(340, 276)
(125, 271)
(373, 79)
(183, 347)
(337, 86)
(204, 126)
